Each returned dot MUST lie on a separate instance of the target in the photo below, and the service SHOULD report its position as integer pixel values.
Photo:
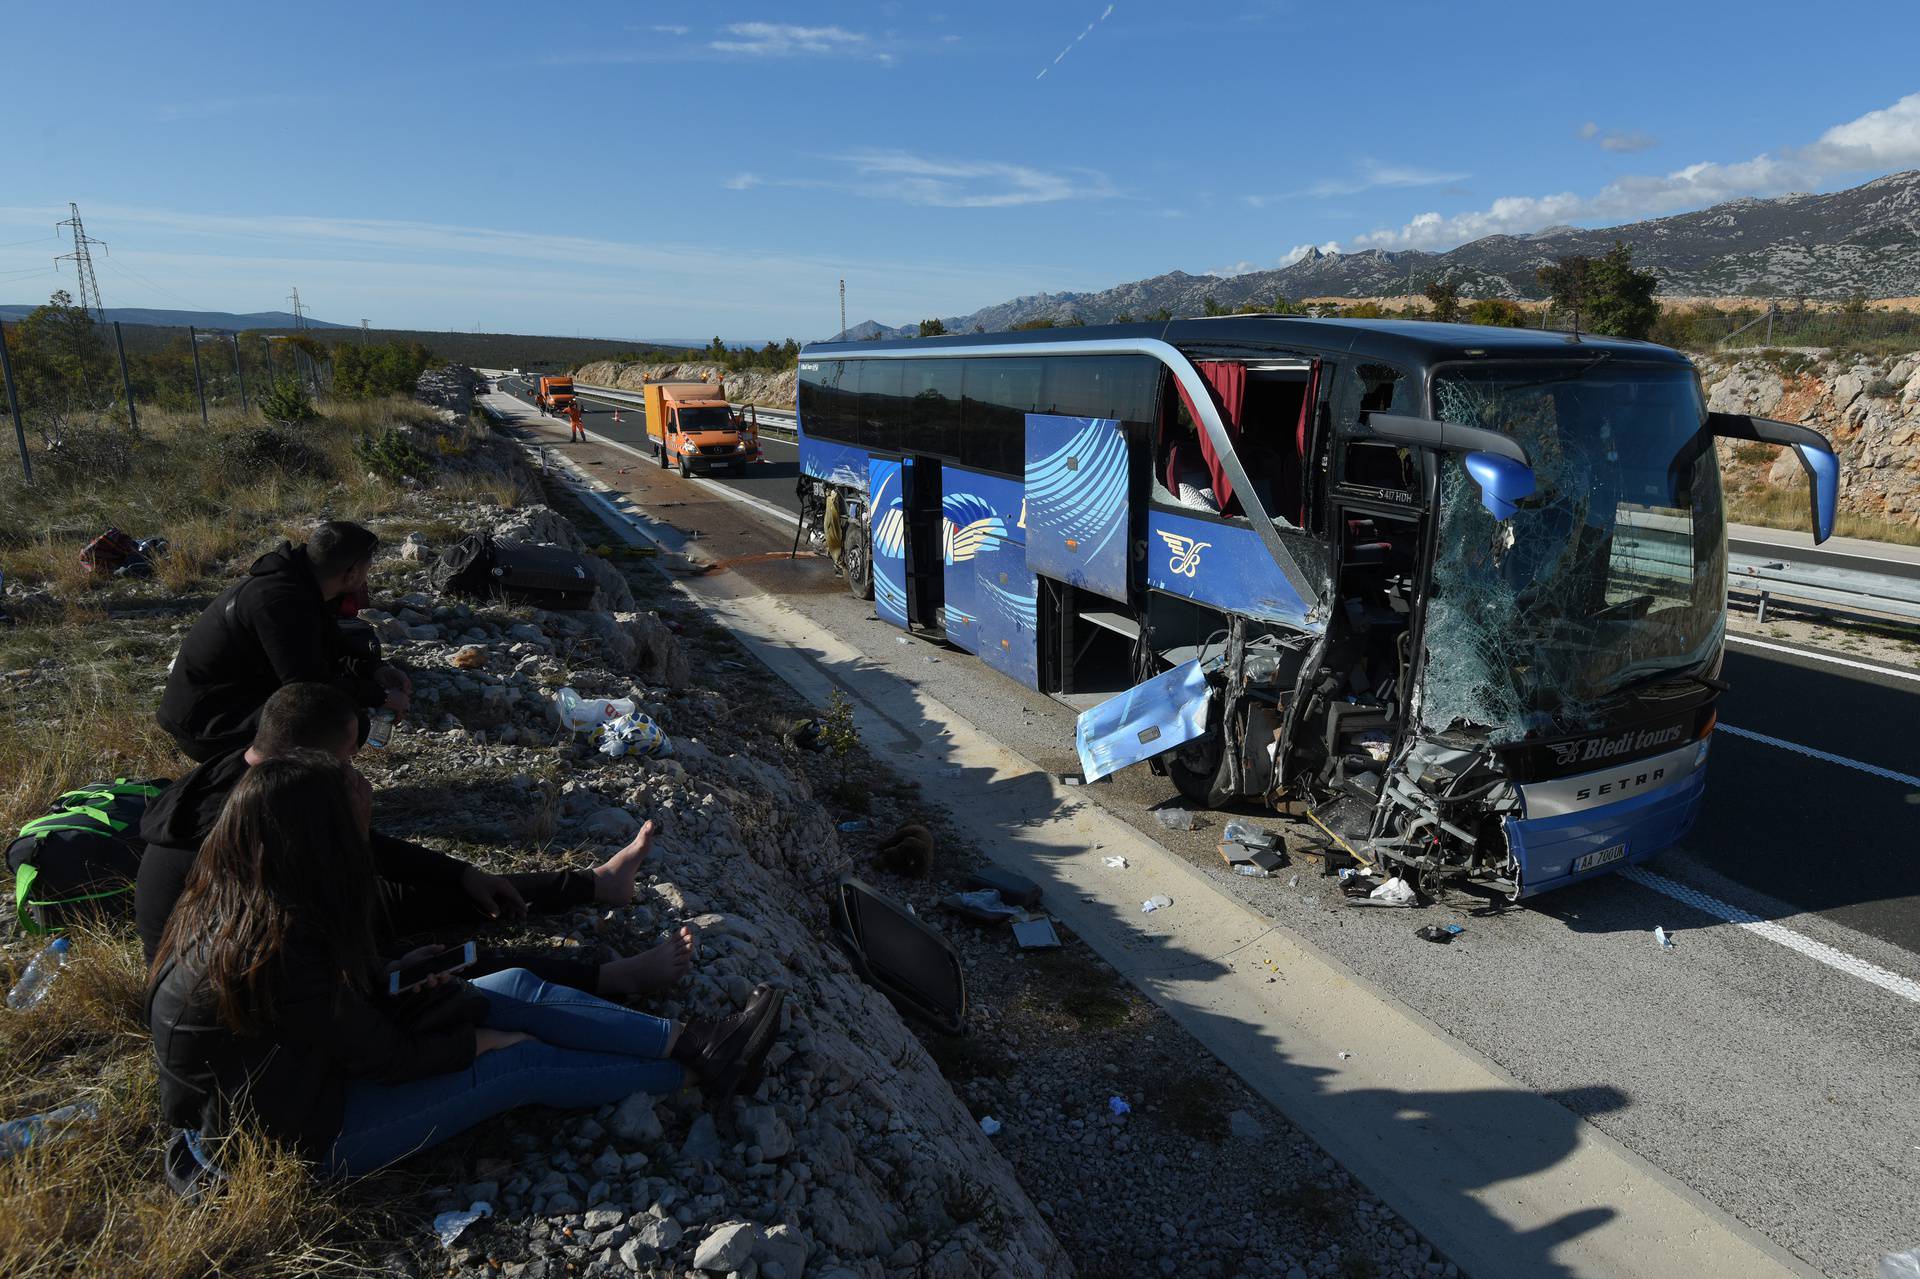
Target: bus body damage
(1455, 594)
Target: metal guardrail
(1777, 574)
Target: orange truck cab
(554, 394)
(692, 427)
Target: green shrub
(392, 456)
(287, 402)
(275, 448)
(1881, 389)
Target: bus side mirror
(1811, 447)
(1503, 482)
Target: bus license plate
(1587, 861)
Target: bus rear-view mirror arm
(1811, 447)
(1497, 463)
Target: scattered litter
(581, 714)
(1261, 863)
(850, 827)
(17, 1134)
(1152, 904)
(1345, 1056)
(933, 659)
(1251, 871)
(984, 906)
(1251, 837)
(1018, 889)
(38, 979)
(989, 1125)
(1900, 1265)
(1396, 891)
(634, 734)
(1174, 818)
(1035, 934)
(449, 1225)
(1442, 933)
(805, 736)
(1114, 863)
(1660, 935)
(1355, 883)
(901, 639)
(1119, 1106)
(1294, 882)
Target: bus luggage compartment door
(887, 538)
(1076, 470)
(1005, 596)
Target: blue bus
(1456, 593)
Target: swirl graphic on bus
(1185, 559)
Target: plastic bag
(581, 714)
(634, 734)
(1395, 891)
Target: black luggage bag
(545, 576)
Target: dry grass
(93, 1202)
(1785, 507)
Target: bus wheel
(855, 563)
(1199, 768)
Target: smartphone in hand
(450, 960)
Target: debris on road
(1442, 933)
(1660, 935)
(1152, 904)
(450, 1225)
(1114, 863)
(1035, 934)
(1175, 818)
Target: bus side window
(999, 393)
(1377, 388)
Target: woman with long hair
(266, 1000)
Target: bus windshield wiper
(1583, 368)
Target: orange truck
(691, 426)
(553, 394)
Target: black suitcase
(546, 576)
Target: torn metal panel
(1146, 720)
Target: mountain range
(1865, 239)
(181, 319)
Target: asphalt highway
(1767, 1061)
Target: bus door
(925, 570)
(887, 536)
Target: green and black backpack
(83, 856)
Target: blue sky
(654, 169)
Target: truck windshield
(1612, 575)
(706, 419)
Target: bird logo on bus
(1185, 560)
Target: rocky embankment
(1868, 408)
(753, 386)
(853, 1159)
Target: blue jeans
(586, 1052)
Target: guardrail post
(1761, 618)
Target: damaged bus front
(1456, 594)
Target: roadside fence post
(126, 382)
(199, 385)
(13, 405)
(239, 369)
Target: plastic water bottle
(17, 1134)
(33, 985)
(379, 729)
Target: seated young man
(421, 890)
(279, 625)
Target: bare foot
(613, 878)
(650, 970)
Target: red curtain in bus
(1228, 382)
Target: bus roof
(1414, 342)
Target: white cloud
(1238, 268)
(1299, 251)
(941, 183)
(669, 29)
(1372, 175)
(1614, 140)
(1885, 139)
(786, 40)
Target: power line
(82, 258)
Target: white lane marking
(1820, 952)
(1874, 769)
(1894, 671)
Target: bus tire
(856, 565)
(1199, 768)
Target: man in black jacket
(278, 625)
(421, 890)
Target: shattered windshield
(1612, 574)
